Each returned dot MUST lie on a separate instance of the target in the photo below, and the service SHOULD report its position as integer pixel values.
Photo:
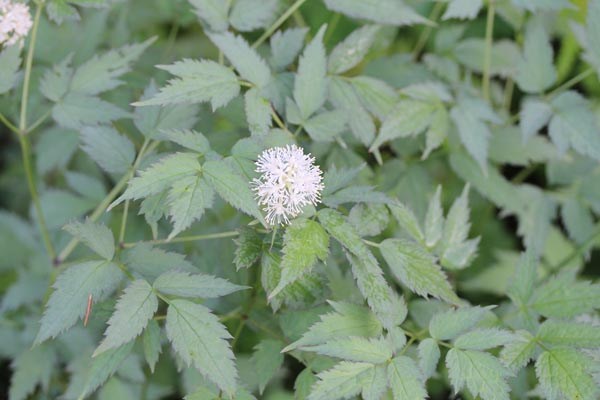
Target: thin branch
(278, 23)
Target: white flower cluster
(15, 22)
(289, 181)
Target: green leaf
(249, 248)
(244, 59)
(574, 125)
(77, 110)
(452, 323)
(563, 374)
(351, 51)
(100, 73)
(463, 9)
(412, 265)
(348, 320)
(30, 368)
(369, 220)
(258, 112)
(10, 60)
(344, 97)
(343, 381)
(326, 126)
(197, 82)
(214, 13)
(534, 115)
(72, 289)
(132, 313)
(196, 286)
(152, 120)
(535, 71)
(429, 355)
(285, 46)
(434, 219)
(160, 175)
(523, 280)
(507, 147)
(578, 220)
(96, 236)
(473, 131)
(374, 350)
(200, 339)
(557, 333)
(389, 12)
(376, 96)
(248, 15)
(516, 354)
(304, 242)
(113, 152)
(592, 33)
(103, 367)
(480, 372)
(151, 262)
(375, 384)
(563, 297)
(310, 86)
(471, 53)
(541, 5)
(231, 187)
(407, 219)
(151, 344)
(405, 380)
(483, 339)
(267, 360)
(187, 200)
(189, 139)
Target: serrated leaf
(214, 13)
(10, 60)
(405, 381)
(304, 242)
(77, 110)
(258, 112)
(151, 262)
(412, 265)
(310, 86)
(456, 230)
(389, 12)
(248, 15)
(563, 297)
(578, 220)
(434, 219)
(483, 339)
(343, 381)
(100, 73)
(480, 372)
(407, 219)
(376, 95)
(534, 115)
(463, 9)
(72, 288)
(96, 236)
(245, 59)
(187, 200)
(200, 339)
(452, 323)
(563, 374)
(473, 132)
(369, 220)
(351, 51)
(132, 312)
(249, 248)
(326, 126)
(30, 368)
(535, 71)
(267, 359)
(152, 120)
(196, 286)
(113, 152)
(375, 384)
(231, 187)
(103, 367)
(573, 334)
(344, 97)
(517, 353)
(285, 46)
(429, 355)
(348, 320)
(197, 82)
(354, 348)
(161, 175)
(151, 344)
(523, 280)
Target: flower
(289, 181)
(15, 22)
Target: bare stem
(182, 239)
(278, 23)
(487, 56)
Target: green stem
(579, 250)
(487, 57)
(40, 121)
(28, 64)
(9, 124)
(278, 23)
(424, 36)
(369, 243)
(183, 239)
(331, 27)
(570, 83)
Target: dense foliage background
(452, 256)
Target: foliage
(452, 250)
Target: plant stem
(40, 121)
(277, 23)
(487, 56)
(24, 139)
(570, 83)
(182, 239)
(424, 36)
(579, 250)
(9, 124)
